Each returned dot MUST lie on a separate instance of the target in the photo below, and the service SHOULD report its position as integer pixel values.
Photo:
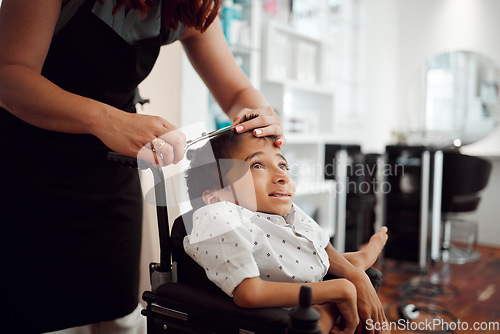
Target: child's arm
(368, 303)
(255, 292)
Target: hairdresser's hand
(133, 134)
(369, 306)
(266, 124)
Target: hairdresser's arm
(255, 292)
(212, 59)
(26, 29)
(369, 305)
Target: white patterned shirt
(233, 243)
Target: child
(260, 248)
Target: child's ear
(210, 196)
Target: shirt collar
(287, 219)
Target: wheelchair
(182, 299)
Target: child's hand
(266, 124)
(369, 305)
(347, 308)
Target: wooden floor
(468, 294)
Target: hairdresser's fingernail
(279, 143)
(239, 128)
(257, 132)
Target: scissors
(208, 135)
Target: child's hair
(211, 163)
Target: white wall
(429, 27)
(382, 57)
(402, 36)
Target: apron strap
(86, 6)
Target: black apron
(71, 221)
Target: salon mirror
(456, 101)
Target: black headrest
(463, 175)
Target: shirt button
(276, 220)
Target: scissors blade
(208, 135)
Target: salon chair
(355, 205)
(464, 176)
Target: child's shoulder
(218, 218)
(222, 209)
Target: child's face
(274, 189)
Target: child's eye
(256, 165)
(284, 166)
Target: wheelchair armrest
(375, 277)
(210, 310)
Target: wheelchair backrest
(188, 271)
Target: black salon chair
(464, 177)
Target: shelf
(295, 59)
(243, 49)
(294, 33)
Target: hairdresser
(71, 220)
